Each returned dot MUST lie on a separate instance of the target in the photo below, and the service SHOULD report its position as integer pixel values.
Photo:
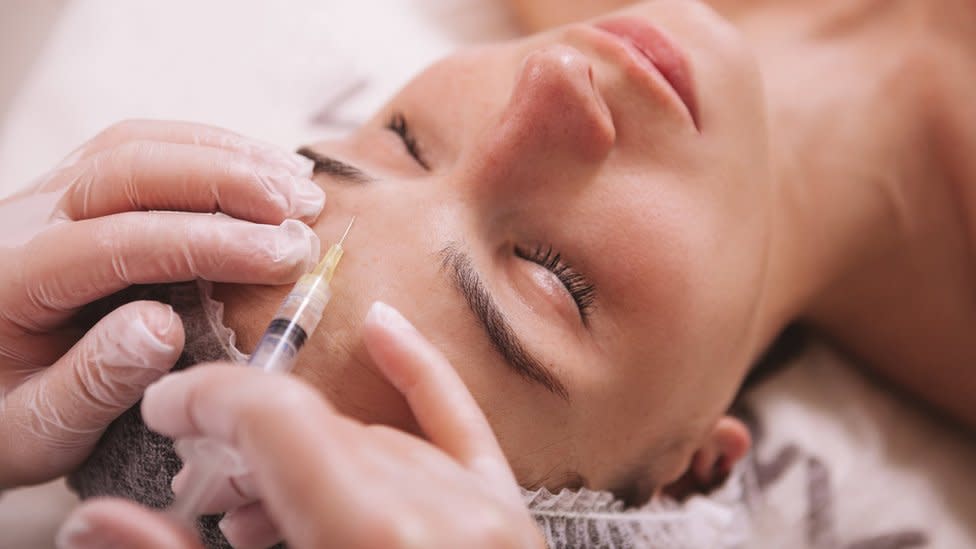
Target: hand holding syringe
(208, 462)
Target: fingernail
(300, 196)
(142, 341)
(157, 326)
(303, 166)
(222, 526)
(230, 527)
(176, 485)
(297, 243)
(384, 315)
(165, 328)
(227, 526)
(77, 532)
(309, 200)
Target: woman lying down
(594, 232)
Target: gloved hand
(325, 480)
(83, 232)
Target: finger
(296, 447)
(147, 175)
(116, 523)
(190, 133)
(222, 401)
(249, 527)
(72, 264)
(441, 402)
(61, 412)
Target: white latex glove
(84, 232)
(319, 479)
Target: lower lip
(654, 46)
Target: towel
(131, 461)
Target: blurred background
(287, 72)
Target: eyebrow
(503, 338)
(335, 167)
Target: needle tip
(343, 239)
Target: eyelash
(398, 125)
(582, 291)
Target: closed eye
(398, 125)
(579, 288)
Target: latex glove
(83, 232)
(325, 480)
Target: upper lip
(650, 48)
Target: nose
(555, 124)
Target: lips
(656, 53)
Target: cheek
(663, 336)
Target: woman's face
(582, 241)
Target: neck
(847, 160)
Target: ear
(725, 445)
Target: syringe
(299, 315)
(208, 462)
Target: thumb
(60, 413)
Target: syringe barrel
(297, 317)
(275, 352)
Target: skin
(703, 242)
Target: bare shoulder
(912, 316)
(953, 128)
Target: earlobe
(727, 443)
(730, 441)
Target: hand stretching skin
(85, 231)
(319, 479)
